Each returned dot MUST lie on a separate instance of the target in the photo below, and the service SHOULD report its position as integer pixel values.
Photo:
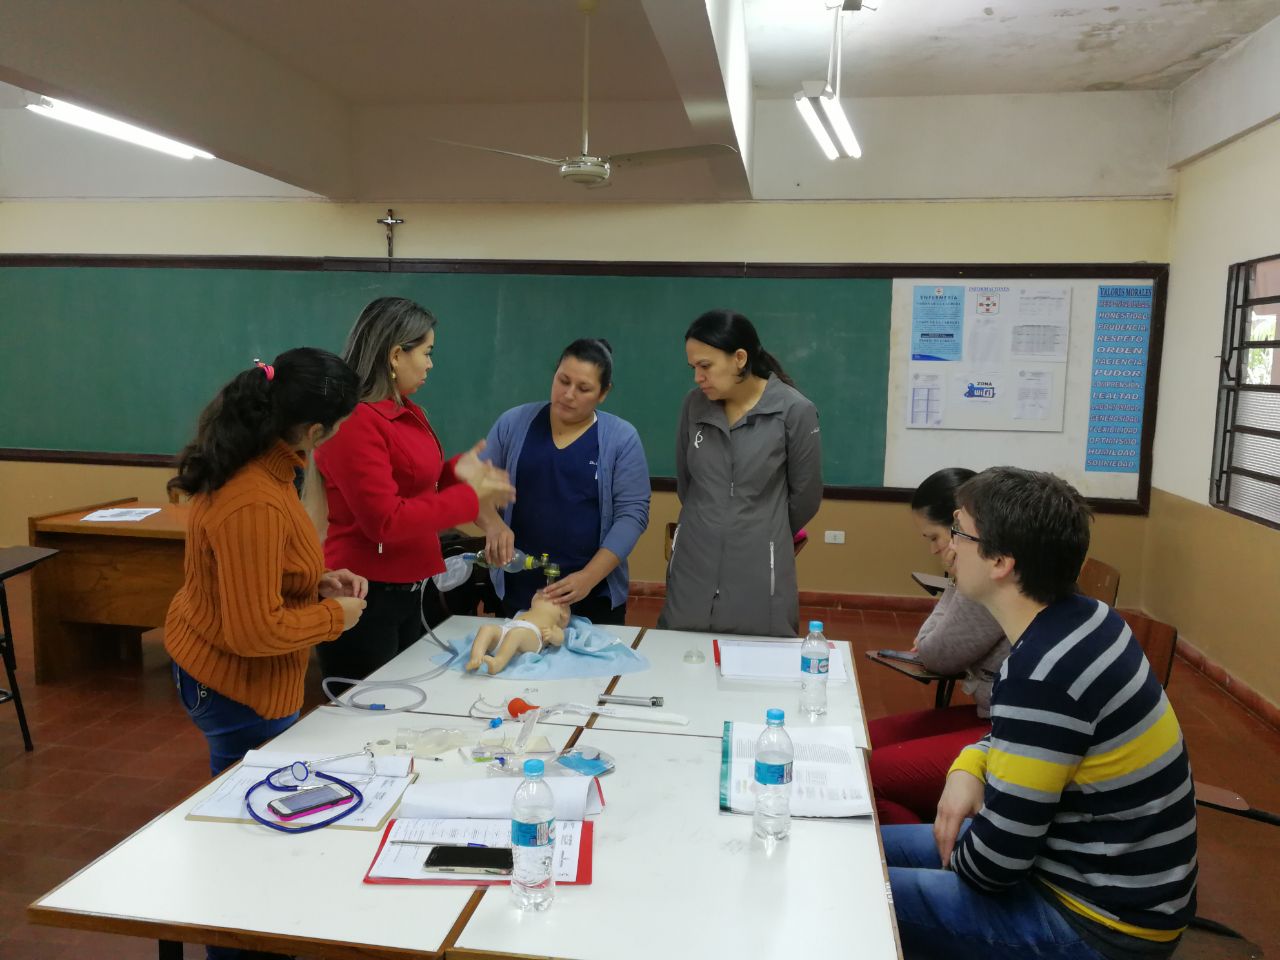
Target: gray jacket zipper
(771, 570)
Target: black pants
(390, 624)
(598, 609)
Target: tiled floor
(114, 749)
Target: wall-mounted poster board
(1048, 374)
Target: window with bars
(1246, 446)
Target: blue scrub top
(557, 508)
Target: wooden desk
(108, 584)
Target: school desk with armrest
(932, 585)
(109, 583)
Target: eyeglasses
(957, 532)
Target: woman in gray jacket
(749, 476)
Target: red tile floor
(114, 749)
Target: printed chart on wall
(988, 357)
(1044, 373)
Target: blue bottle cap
(815, 626)
(533, 768)
(774, 715)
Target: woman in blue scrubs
(582, 491)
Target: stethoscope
(301, 771)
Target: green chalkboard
(121, 359)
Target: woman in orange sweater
(255, 596)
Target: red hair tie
(266, 368)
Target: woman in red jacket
(390, 490)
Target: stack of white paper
(576, 797)
(774, 660)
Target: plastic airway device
(517, 706)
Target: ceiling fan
(594, 169)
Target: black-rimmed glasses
(957, 532)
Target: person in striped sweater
(1069, 831)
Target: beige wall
(1210, 573)
(1227, 211)
(1214, 576)
(996, 232)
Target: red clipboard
(584, 866)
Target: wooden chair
(1158, 640)
(1205, 938)
(1099, 580)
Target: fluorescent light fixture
(819, 102)
(88, 120)
(825, 118)
(834, 113)
(805, 106)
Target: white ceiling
(909, 48)
(340, 99)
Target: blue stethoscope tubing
(270, 781)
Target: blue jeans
(231, 728)
(940, 916)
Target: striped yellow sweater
(1088, 785)
(249, 610)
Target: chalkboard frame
(1158, 273)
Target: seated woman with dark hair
(912, 752)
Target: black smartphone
(302, 802)
(447, 859)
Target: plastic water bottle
(815, 661)
(533, 834)
(519, 561)
(774, 755)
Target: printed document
(381, 792)
(121, 514)
(404, 861)
(828, 776)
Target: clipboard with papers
(405, 845)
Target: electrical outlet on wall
(833, 536)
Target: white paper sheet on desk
(774, 660)
(404, 861)
(226, 803)
(120, 514)
(351, 766)
(576, 798)
(828, 775)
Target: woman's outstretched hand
(491, 485)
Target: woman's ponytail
(239, 424)
(259, 406)
(766, 363)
